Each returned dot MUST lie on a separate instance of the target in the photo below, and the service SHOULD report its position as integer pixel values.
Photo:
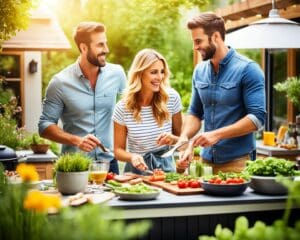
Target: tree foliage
(131, 26)
(14, 16)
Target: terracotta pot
(39, 148)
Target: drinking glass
(98, 172)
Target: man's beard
(209, 51)
(92, 59)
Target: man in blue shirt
(83, 96)
(228, 95)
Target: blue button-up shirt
(223, 98)
(84, 110)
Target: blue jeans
(114, 167)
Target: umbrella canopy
(272, 32)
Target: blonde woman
(148, 116)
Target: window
(11, 69)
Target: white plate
(138, 196)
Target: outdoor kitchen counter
(187, 217)
(170, 205)
(42, 162)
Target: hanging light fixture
(273, 32)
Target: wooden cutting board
(94, 198)
(174, 188)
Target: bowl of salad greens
(266, 173)
(225, 184)
(138, 192)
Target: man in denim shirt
(228, 95)
(83, 96)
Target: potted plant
(71, 171)
(39, 145)
(291, 86)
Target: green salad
(272, 166)
(139, 188)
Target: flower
(40, 202)
(27, 172)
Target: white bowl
(267, 185)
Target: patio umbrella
(273, 32)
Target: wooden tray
(174, 188)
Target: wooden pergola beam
(290, 12)
(250, 8)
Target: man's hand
(88, 143)
(186, 156)
(206, 139)
(166, 139)
(138, 162)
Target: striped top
(141, 136)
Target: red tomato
(194, 184)
(211, 180)
(158, 171)
(182, 184)
(110, 176)
(229, 180)
(155, 177)
(218, 180)
(239, 180)
(151, 178)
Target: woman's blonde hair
(143, 60)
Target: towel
(154, 160)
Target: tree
(133, 25)
(14, 16)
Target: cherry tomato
(194, 184)
(239, 180)
(110, 176)
(229, 180)
(211, 180)
(155, 177)
(182, 184)
(218, 180)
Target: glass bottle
(294, 134)
(288, 138)
(298, 133)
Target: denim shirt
(84, 110)
(223, 98)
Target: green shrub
(72, 162)
(86, 222)
(291, 87)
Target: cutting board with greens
(176, 183)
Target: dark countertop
(41, 158)
(167, 205)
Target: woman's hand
(166, 139)
(138, 162)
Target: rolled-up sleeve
(254, 94)
(52, 105)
